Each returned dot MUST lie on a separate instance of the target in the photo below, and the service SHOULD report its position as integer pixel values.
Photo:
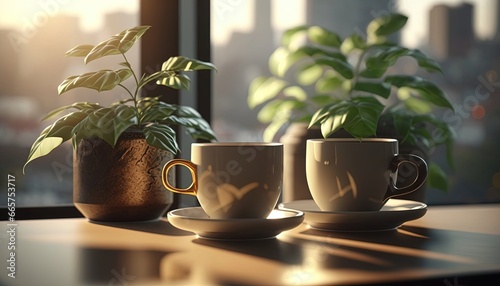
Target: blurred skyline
(238, 17)
(233, 16)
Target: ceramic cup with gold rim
(233, 180)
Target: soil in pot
(121, 183)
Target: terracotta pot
(294, 161)
(121, 183)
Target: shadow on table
(158, 227)
(405, 249)
(273, 248)
(118, 266)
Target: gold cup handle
(192, 189)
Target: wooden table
(450, 245)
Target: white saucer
(194, 219)
(393, 214)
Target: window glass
(35, 34)
(463, 36)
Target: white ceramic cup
(233, 180)
(352, 175)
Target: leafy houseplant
(106, 136)
(351, 84)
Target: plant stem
(128, 91)
(135, 94)
(356, 70)
(130, 68)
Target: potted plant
(119, 150)
(350, 86)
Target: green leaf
(205, 134)
(313, 51)
(362, 117)
(149, 100)
(169, 74)
(379, 88)
(161, 136)
(355, 41)
(101, 80)
(443, 133)
(374, 72)
(417, 105)
(324, 37)
(424, 62)
(63, 127)
(387, 24)
(154, 76)
(392, 54)
(158, 111)
(187, 111)
(106, 48)
(303, 118)
(263, 89)
(124, 74)
(331, 124)
(196, 126)
(123, 101)
(125, 64)
(105, 123)
(117, 44)
(328, 83)
(376, 62)
(309, 74)
(185, 121)
(388, 55)
(322, 99)
(181, 63)
(273, 128)
(296, 92)
(269, 110)
(283, 107)
(437, 177)
(130, 36)
(83, 106)
(281, 60)
(277, 63)
(175, 80)
(54, 135)
(320, 115)
(79, 51)
(358, 116)
(403, 125)
(426, 89)
(288, 37)
(44, 147)
(385, 56)
(343, 68)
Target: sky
(18, 13)
(230, 15)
